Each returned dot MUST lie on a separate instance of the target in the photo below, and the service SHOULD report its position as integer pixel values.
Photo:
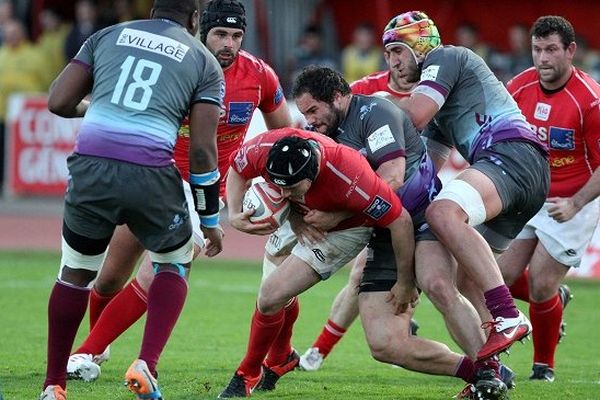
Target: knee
(77, 276)
(390, 351)
(268, 300)
(442, 292)
(441, 215)
(542, 290)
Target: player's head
(320, 94)
(553, 48)
(185, 12)
(412, 33)
(293, 165)
(222, 28)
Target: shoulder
(249, 63)
(527, 78)
(584, 88)
(369, 80)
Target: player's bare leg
(436, 276)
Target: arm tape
(205, 190)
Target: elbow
(58, 107)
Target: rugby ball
(269, 204)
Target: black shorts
(103, 193)
(521, 174)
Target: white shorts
(566, 242)
(325, 257)
(197, 234)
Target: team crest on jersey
(378, 208)
(278, 95)
(240, 113)
(542, 111)
(364, 110)
(561, 138)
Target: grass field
(211, 336)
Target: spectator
(20, 71)
(519, 57)
(587, 59)
(309, 52)
(86, 23)
(51, 44)
(467, 35)
(6, 14)
(361, 57)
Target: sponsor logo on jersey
(562, 139)
(380, 138)
(278, 95)
(153, 43)
(241, 160)
(430, 73)
(240, 113)
(364, 110)
(542, 111)
(378, 208)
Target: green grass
(211, 337)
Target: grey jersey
(146, 75)
(382, 132)
(475, 107)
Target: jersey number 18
(130, 99)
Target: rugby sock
(122, 312)
(545, 319)
(282, 345)
(263, 331)
(520, 288)
(465, 370)
(66, 309)
(97, 305)
(166, 298)
(330, 335)
(500, 303)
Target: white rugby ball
(269, 204)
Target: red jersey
(249, 84)
(375, 82)
(345, 181)
(568, 120)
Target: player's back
(146, 75)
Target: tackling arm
(68, 90)
(420, 108)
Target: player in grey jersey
(460, 103)
(144, 77)
(392, 145)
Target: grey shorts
(521, 174)
(380, 274)
(103, 193)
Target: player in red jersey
(306, 166)
(250, 84)
(344, 309)
(562, 105)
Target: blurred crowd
(29, 66)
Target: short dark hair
(549, 24)
(181, 7)
(321, 83)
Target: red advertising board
(38, 145)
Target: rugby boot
(241, 386)
(53, 392)
(273, 373)
(140, 381)
(503, 333)
(542, 372)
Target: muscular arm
(279, 118)
(392, 172)
(204, 118)
(68, 90)
(420, 108)
(236, 188)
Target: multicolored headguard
(413, 29)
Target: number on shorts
(138, 83)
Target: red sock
(166, 298)
(66, 309)
(97, 305)
(520, 288)
(330, 335)
(263, 331)
(282, 345)
(545, 319)
(122, 312)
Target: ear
(571, 48)
(152, 13)
(194, 22)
